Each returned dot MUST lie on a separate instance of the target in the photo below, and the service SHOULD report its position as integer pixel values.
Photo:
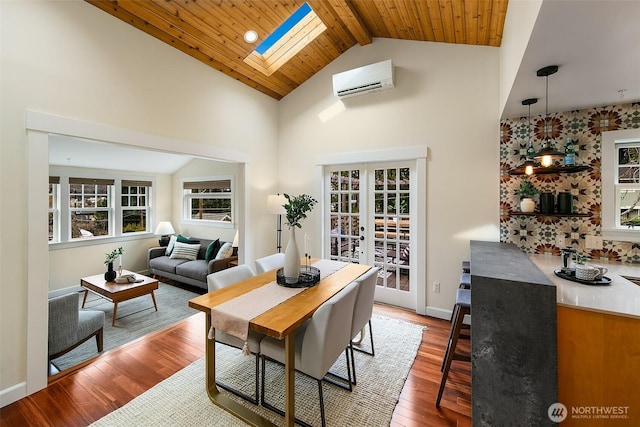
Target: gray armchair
(69, 326)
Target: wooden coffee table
(118, 292)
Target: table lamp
(164, 229)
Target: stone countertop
(621, 297)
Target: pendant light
(547, 154)
(529, 164)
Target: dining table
(280, 321)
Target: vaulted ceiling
(212, 31)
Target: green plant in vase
(296, 209)
(527, 190)
(109, 258)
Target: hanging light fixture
(547, 154)
(530, 163)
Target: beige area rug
(181, 399)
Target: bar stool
(466, 266)
(462, 307)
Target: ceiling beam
(347, 14)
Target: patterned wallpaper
(537, 234)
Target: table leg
(84, 300)
(290, 373)
(218, 398)
(153, 297)
(115, 311)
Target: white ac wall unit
(367, 79)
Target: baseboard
(12, 394)
(438, 313)
(445, 314)
(64, 291)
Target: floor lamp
(275, 206)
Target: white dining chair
(269, 262)
(362, 311)
(226, 277)
(219, 280)
(319, 343)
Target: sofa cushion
(185, 251)
(196, 270)
(212, 250)
(172, 242)
(187, 240)
(164, 263)
(225, 251)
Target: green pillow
(187, 240)
(212, 250)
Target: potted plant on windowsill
(296, 210)
(527, 190)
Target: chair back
(229, 276)
(327, 333)
(63, 322)
(269, 262)
(363, 308)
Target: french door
(370, 221)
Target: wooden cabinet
(598, 368)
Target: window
(86, 208)
(621, 185)
(54, 209)
(135, 206)
(208, 200)
(90, 204)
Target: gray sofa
(192, 273)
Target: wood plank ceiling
(212, 31)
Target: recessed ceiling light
(250, 36)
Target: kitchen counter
(621, 297)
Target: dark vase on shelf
(110, 275)
(547, 202)
(565, 203)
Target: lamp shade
(235, 240)
(274, 204)
(164, 228)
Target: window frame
(610, 207)
(63, 222)
(188, 197)
(146, 208)
(54, 208)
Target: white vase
(292, 259)
(527, 205)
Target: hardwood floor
(83, 395)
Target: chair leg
(348, 379)
(454, 317)
(449, 355)
(99, 339)
(240, 394)
(322, 417)
(372, 352)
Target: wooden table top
(97, 281)
(281, 320)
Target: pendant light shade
(547, 154)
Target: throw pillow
(185, 251)
(225, 251)
(212, 250)
(187, 240)
(172, 242)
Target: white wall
(68, 58)
(518, 26)
(446, 98)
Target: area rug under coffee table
(181, 400)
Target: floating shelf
(515, 213)
(539, 170)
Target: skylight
(302, 27)
(284, 28)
